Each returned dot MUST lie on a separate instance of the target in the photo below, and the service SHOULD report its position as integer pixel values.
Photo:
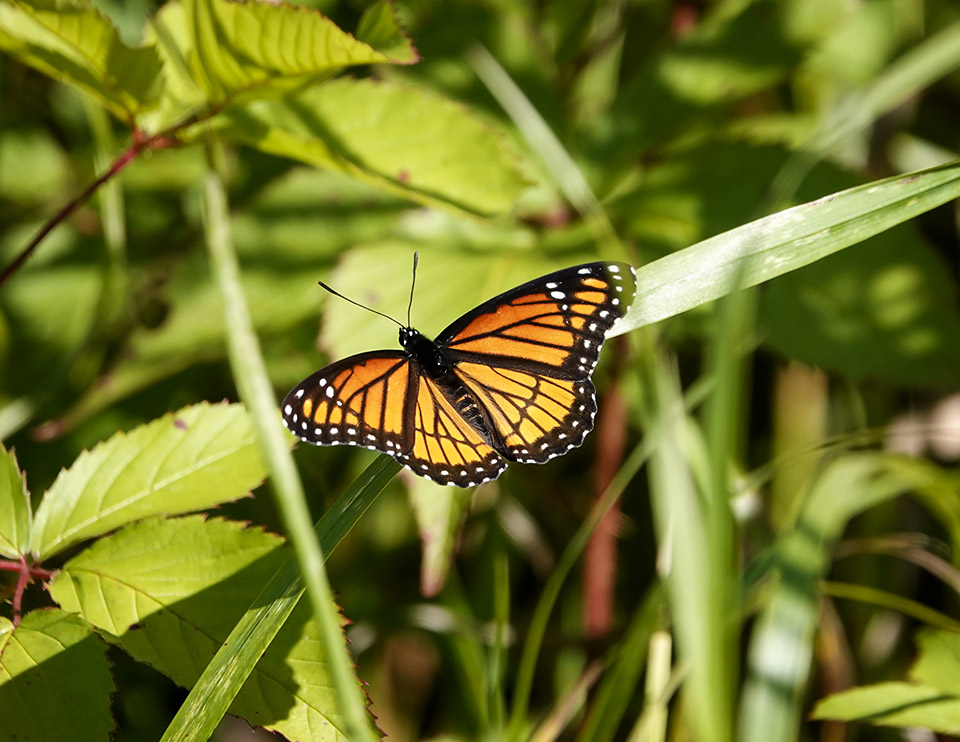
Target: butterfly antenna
(356, 303)
(416, 258)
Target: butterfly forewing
(359, 401)
(554, 325)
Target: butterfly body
(509, 380)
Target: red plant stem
(27, 573)
(600, 559)
(125, 159)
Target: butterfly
(507, 381)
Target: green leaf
(70, 40)
(223, 676)
(938, 665)
(439, 511)
(55, 680)
(259, 49)
(380, 28)
(14, 507)
(894, 704)
(782, 242)
(193, 459)
(931, 700)
(885, 309)
(170, 591)
(403, 139)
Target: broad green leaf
(170, 591)
(70, 40)
(260, 49)
(884, 309)
(894, 704)
(439, 511)
(403, 139)
(931, 700)
(938, 665)
(380, 28)
(33, 166)
(189, 460)
(14, 507)
(55, 680)
(50, 310)
(783, 242)
(235, 659)
(193, 331)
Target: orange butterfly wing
(523, 359)
(527, 356)
(382, 401)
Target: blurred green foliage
(686, 119)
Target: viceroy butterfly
(508, 380)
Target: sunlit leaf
(55, 680)
(782, 242)
(193, 459)
(14, 507)
(71, 40)
(170, 591)
(380, 28)
(403, 139)
(263, 48)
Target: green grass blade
(782, 242)
(255, 389)
(619, 683)
(682, 521)
(551, 590)
(781, 647)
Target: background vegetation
(768, 511)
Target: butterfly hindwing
(446, 448)
(536, 417)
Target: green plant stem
(256, 392)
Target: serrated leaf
(938, 665)
(380, 28)
(403, 139)
(55, 680)
(931, 700)
(262, 48)
(14, 507)
(70, 40)
(894, 704)
(439, 511)
(193, 459)
(170, 591)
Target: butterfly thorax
(424, 351)
(430, 357)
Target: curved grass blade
(782, 242)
